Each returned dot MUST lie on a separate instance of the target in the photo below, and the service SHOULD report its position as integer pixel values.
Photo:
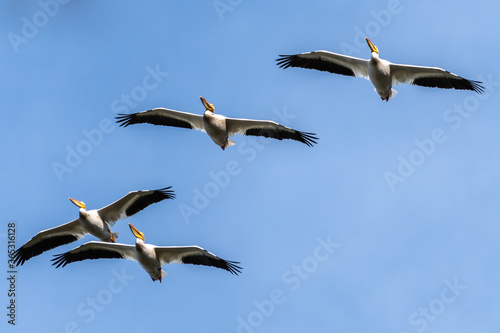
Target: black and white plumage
(151, 257)
(95, 222)
(218, 127)
(382, 73)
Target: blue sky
(389, 224)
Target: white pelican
(149, 256)
(381, 73)
(95, 222)
(218, 127)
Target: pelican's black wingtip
(476, 86)
(284, 61)
(19, 258)
(308, 138)
(124, 119)
(167, 192)
(59, 260)
(233, 268)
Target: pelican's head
(373, 48)
(136, 232)
(80, 204)
(208, 106)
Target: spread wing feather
(162, 116)
(95, 250)
(268, 129)
(432, 77)
(194, 255)
(132, 203)
(326, 61)
(48, 239)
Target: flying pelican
(380, 72)
(151, 257)
(95, 222)
(218, 127)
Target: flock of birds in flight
(383, 75)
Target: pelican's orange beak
(373, 48)
(136, 232)
(80, 204)
(208, 106)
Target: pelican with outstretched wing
(96, 222)
(382, 73)
(218, 127)
(151, 257)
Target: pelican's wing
(95, 250)
(132, 203)
(268, 129)
(48, 239)
(432, 77)
(194, 255)
(161, 116)
(326, 61)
